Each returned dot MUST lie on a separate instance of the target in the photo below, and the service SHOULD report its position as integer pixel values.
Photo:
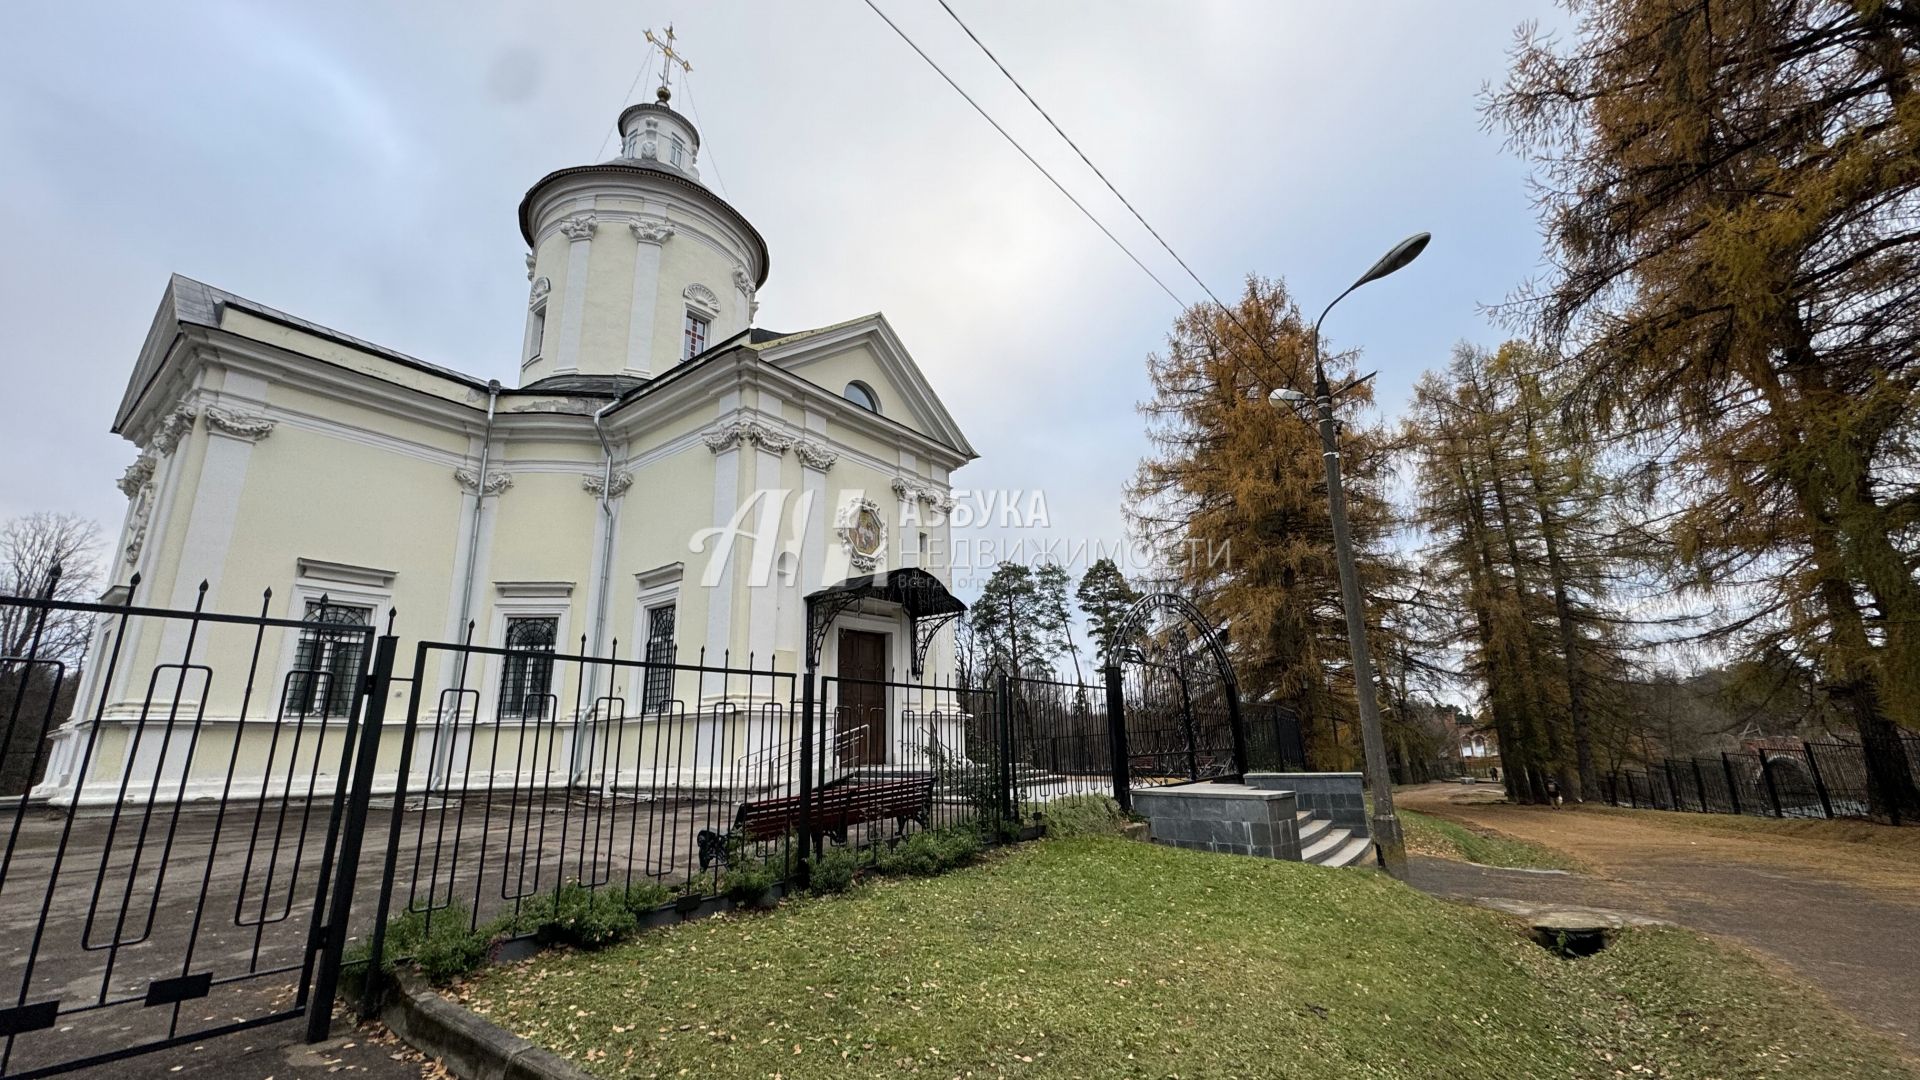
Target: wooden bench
(832, 812)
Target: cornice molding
(252, 427)
(469, 481)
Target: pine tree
(1105, 596)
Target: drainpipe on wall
(444, 753)
(581, 758)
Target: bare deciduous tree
(31, 548)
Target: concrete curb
(468, 1045)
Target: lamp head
(1403, 253)
(1286, 394)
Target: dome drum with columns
(649, 416)
(625, 253)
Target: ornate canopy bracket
(822, 609)
(924, 630)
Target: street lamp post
(1388, 843)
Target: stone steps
(1322, 844)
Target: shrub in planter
(444, 946)
(1084, 815)
(646, 898)
(833, 872)
(749, 883)
(578, 916)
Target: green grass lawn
(1104, 958)
(1449, 840)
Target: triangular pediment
(867, 350)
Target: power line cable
(614, 127)
(686, 79)
(1231, 315)
(1137, 216)
(1015, 143)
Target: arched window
(862, 395)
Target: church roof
(612, 386)
(652, 169)
(199, 304)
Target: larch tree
(1730, 191)
(1233, 499)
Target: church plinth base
(1232, 818)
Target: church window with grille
(658, 688)
(696, 337)
(526, 672)
(327, 661)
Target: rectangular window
(526, 672)
(678, 149)
(696, 342)
(536, 330)
(327, 661)
(657, 691)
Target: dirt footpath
(1838, 903)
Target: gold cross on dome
(665, 44)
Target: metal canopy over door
(861, 719)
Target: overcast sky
(359, 164)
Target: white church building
(663, 474)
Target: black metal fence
(1274, 742)
(1815, 780)
(180, 891)
(507, 790)
(247, 796)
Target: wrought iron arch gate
(1173, 704)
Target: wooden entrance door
(863, 700)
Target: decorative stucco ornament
(815, 455)
(863, 533)
(469, 480)
(240, 425)
(595, 482)
(648, 231)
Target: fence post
(1003, 710)
(1613, 789)
(370, 994)
(1633, 796)
(1819, 785)
(805, 865)
(1117, 739)
(1773, 791)
(326, 978)
(1700, 786)
(1673, 786)
(1733, 789)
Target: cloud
(359, 164)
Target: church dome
(635, 264)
